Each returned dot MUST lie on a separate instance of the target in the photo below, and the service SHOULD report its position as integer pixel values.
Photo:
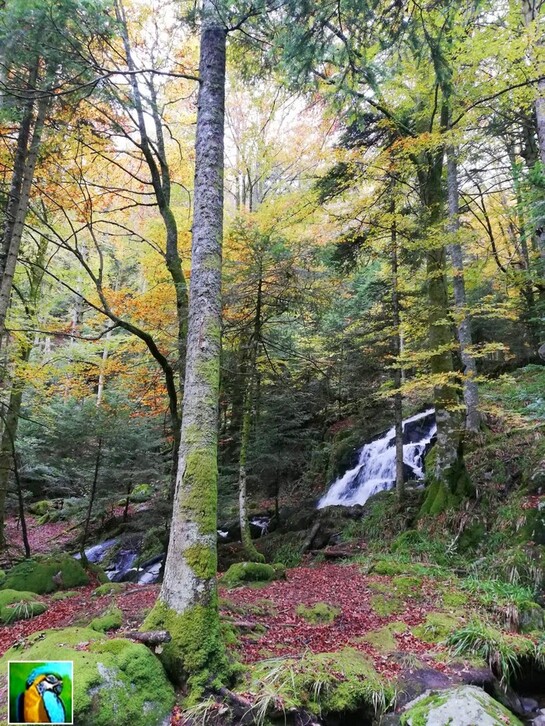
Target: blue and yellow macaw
(41, 702)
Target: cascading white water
(376, 467)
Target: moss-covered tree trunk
(449, 480)
(187, 605)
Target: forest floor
(404, 589)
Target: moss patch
(383, 639)
(436, 627)
(37, 575)
(110, 620)
(116, 681)
(244, 572)
(318, 614)
(109, 588)
(15, 605)
(63, 595)
(322, 683)
(384, 606)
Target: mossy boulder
(46, 575)
(242, 573)
(463, 706)
(318, 614)
(40, 508)
(115, 681)
(110, 620)
(16, 605)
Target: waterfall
(376, 467)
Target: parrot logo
(41, 702)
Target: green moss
(63, 595)
(279, 570)
(318, 614)
(15, 605)
(244, 572)
(40, 508)
(2, 577)
(383, 639)
(109, 588)
(385, 606)
(37, 575)
(323, 683)
(436, 627)
(195, 655)
(407, 586)
(202, 560)
(116, 681)
(454, 599)
(111, 620)
(503, 652)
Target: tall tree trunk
(188, 604)
(398, 398)
(450, 481)
(9, 436)
(12, 246)
(471, 391)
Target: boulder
(60, 572)
(244, 572)
(461, 706)
(115, 681)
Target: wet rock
(529, 704)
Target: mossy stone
(463, 706)
(243, 572)
(37, 575)
(115, 681)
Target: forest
(272, 362)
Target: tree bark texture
(471, 391)
(398, 398)
(187, 605)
